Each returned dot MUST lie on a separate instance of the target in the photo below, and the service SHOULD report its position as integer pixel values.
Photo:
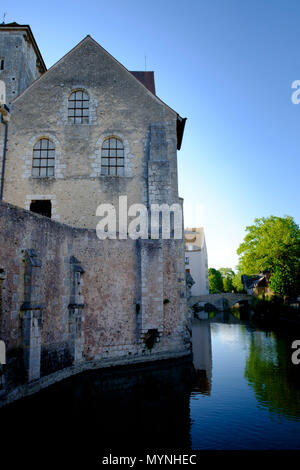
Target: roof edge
(26, 27)
(52, 67)
(180, 123)
(131, 75)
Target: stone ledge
(34, 387)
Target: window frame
(113, 157)
(41, 159)
(80, 107)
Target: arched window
(112, 157)
(78, 107)
(43, 161)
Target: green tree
(282, 281)
(215, 281)
(273, 244)
(237, 282)
(227, 276)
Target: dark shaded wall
(69, 299)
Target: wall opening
(1, 64)
(42, 207)
(151, 337)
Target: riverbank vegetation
(224, 280)
(273, 310)
(272, 245)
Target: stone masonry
(119, 106)
(69, 301)
(22, 61)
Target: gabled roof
(10, 24)
(259, 280)
(145, 79)
(25, 27)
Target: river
(247, 391)
(243, 392)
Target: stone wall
(71, 302)
(120, 106)
(2, 133)
(20, 62)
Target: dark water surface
(243, 392)
(247, 392)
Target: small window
(78, 107)
(1, 64)
(112, 157)
(42, 207)
(43, 161)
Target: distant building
(196, 259)
(258, 284)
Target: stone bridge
(221, 301)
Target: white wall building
(196, 259)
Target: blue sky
(227, 66)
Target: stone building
(80, 134)
(93, 131)
(196, 262)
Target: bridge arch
(221, 301)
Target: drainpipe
(5, 118)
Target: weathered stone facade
(70, 301)
(119, 106)
(22, 61)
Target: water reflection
(272, 375)
(247, 393)
(202, 356)
(242, 393)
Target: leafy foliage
(282, 281)
(227, 276)
(224, 280)
(237, 282)
(215, 281)
(273, 244)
